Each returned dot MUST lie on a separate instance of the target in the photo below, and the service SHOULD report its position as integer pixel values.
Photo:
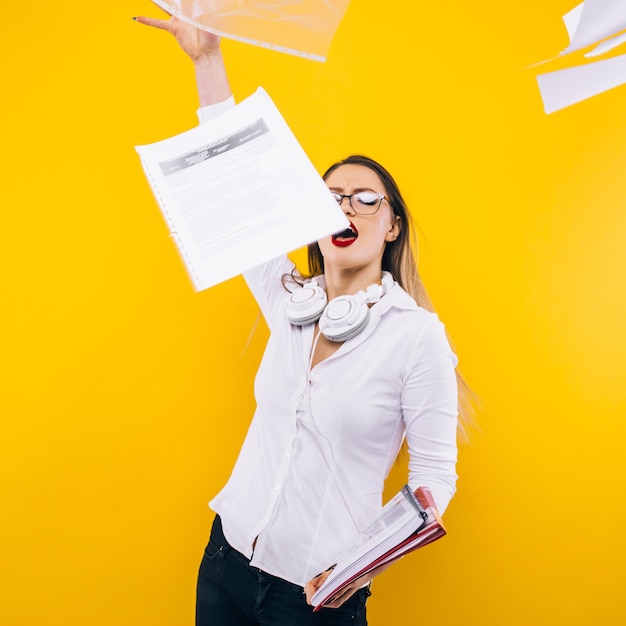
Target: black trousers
(232, 593)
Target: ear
(394, 228)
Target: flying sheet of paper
(565, 87)
(597, 20)
(238, 191)
(572, 20)
(592, 21)
(301, 27)
(607, 45)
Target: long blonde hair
(399, 259)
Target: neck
(349, 282)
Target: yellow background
(125, 395)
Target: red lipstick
(346, 237)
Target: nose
(347, 206)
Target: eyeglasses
(363, 202)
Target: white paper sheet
(592, 21)
(607, 45)
(301, 27)
(566, 87)
(599, 19)
(238, 191)
(571, 19)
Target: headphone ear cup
(306, 305)
(344, 318)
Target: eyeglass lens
(363, 202)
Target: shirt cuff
(211, 111)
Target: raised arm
(203, 48)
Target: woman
(334, 400)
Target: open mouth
(346, 237)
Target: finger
(309, 589)
(337, 600)
(334, 604)
(155, 23)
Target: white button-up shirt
(311, 472)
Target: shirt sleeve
(265, 281)
(430, 413)
(211, 111)
(268, 286)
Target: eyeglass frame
(340, 196)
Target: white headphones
(340, 319)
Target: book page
(388, 540)
(399, 518)
(239, 191)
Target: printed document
(409, 521)
(238, 191)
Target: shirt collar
(397, 298)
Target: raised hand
(195, 42)
(203, 48)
